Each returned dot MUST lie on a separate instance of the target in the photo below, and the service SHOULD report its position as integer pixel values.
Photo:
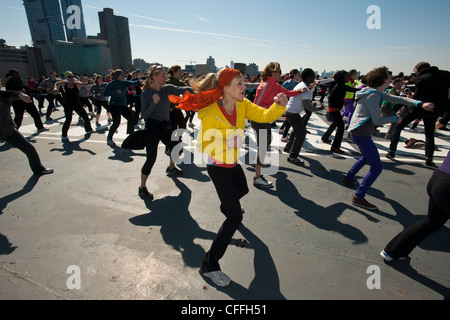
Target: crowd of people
(224, 101)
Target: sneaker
(296, 161)
(46, 171)
(43, 129)
(390, 155)
(110, 143)
(284, 140)
(144, 194)
(388, 258)
(218, 277)
(430, 163)
(327, 141)
(363, 203)
(348, 182)
(262, 182)
(98, 124)
(190, 125)
(65, 138)
(337, 150)
(174, 171)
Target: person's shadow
(178, 228)
(69, 148)
(266, 283)
(325, 218)
(5, 246)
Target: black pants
(20, 107)
(263, 132)
(116, 113)
(21, 143)
(338, 123)
(99, 104)
(51, 102)
(429, 121)
(296, 139)
(231, 186)
(137, 108)
(156, 131)
(438, 213)
(69, 107)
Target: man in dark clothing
(15, 83)
(9, 133)
(336, 102)
(431, 85)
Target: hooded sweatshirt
(367, 112)
(338, 92)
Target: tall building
(115, 30)
(72, 13)
(46, 27)
(84, 56)
(211, 62)
(28, 60)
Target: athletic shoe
(337, 150)
(284, 139)
(46, 171)
(388, 258)
(261, 182)
(110, 143)
(349, 183)
(144, 194)
(327, 141)
(174, 171)
(363, 203)
(430, 163)
(218, 277)
(296, 161)
(43, 129)
(390, 155)
(65, 138)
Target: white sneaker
(262, 182)
(388, 258)
(218, 277)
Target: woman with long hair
(222, 110)
(156, 112)
(71, 90)
(267, 90)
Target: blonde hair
(154, 70)
(269, 69)
(207, 83)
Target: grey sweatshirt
(367, 111)
(161, 110)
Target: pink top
(268, 90)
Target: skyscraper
(72, 12)
(46, 27)
(115, 30)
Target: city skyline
(331, 36)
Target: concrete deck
(306, 240)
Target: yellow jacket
(216, 129)
(349, 95)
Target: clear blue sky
(325, 34)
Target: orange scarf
(195, 102)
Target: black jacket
(7, 125)
(432, 86)
(339, 90)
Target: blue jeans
(370, 156)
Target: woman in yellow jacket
(223, 109)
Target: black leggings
(69, 107)
(231, 186)
(156, 131)
(338, 123)
(116, 113)
(438, 213)
(21, 143)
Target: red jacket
(268, 90)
